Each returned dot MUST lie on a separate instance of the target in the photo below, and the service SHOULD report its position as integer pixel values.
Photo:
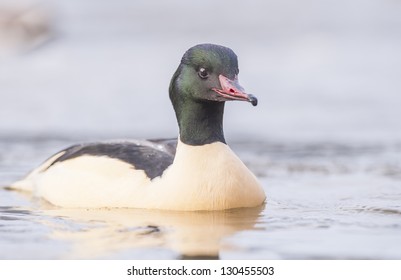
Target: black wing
(151, 156)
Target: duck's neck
(200, 123)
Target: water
(325, 201)
(325, 139)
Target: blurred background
(322, 70)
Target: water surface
(325, 201)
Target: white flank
(27, 184)
(209, 177)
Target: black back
(151, 156)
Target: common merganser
(196, 172)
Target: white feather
(208, 177)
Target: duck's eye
(203, 73)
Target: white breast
(208, 177)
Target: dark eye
(203, 73)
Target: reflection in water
(192, 235)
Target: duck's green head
(208, 73)
(206, 77)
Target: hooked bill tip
(253, 100)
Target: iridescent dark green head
(206, 77)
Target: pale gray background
(322, 70)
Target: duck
(198, 171)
